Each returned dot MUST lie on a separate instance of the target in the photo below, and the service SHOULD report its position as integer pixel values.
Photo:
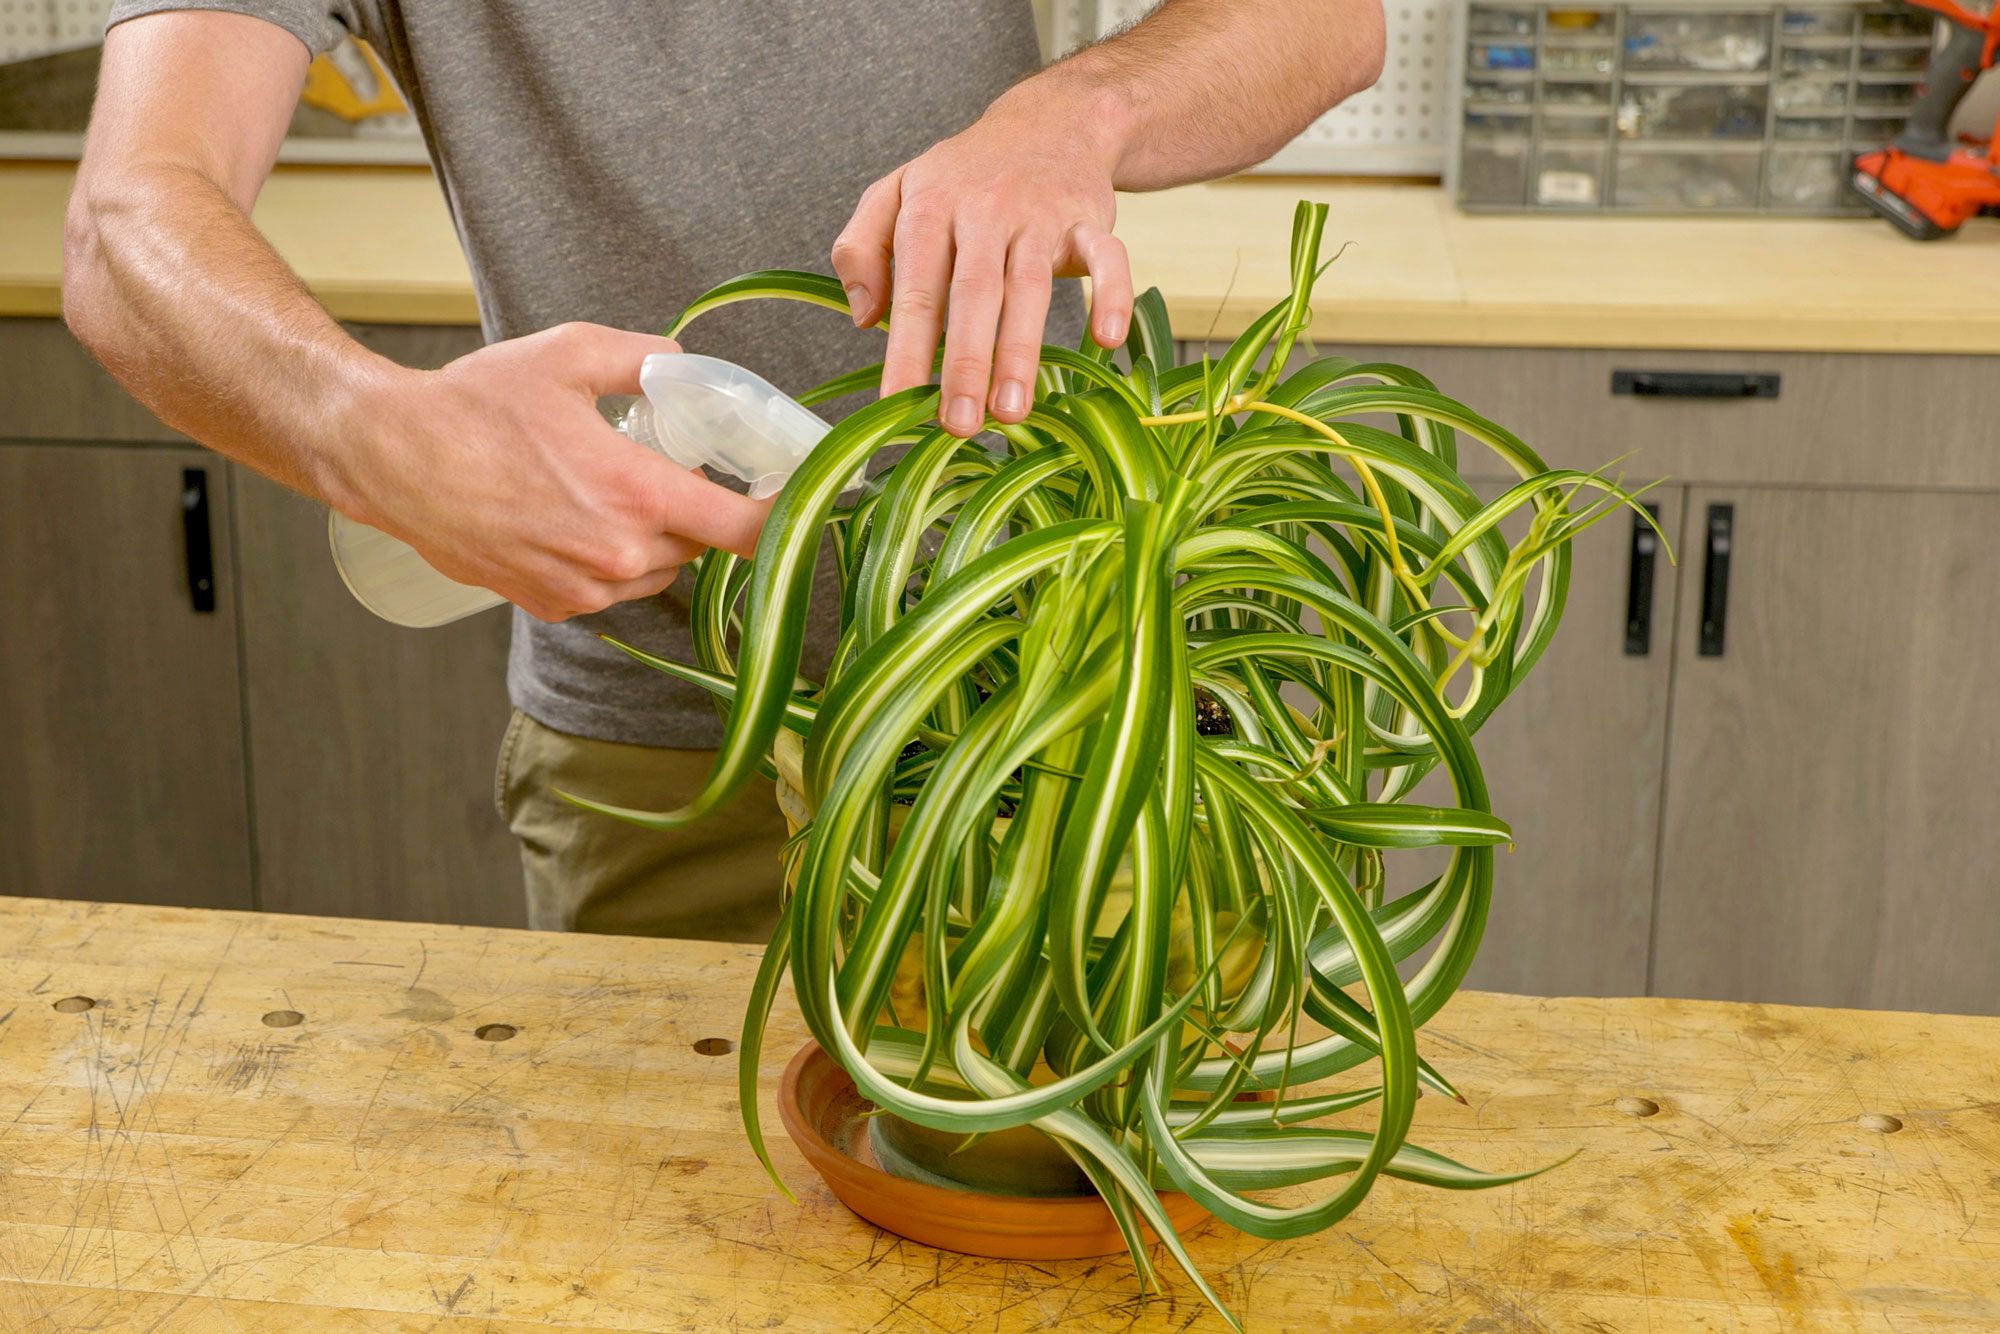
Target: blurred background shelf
(351, 111)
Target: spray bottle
(697, 411)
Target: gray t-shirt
(608, 160)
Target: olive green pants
(717, 880)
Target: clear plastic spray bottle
(697, 411)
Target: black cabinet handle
(1695, 384)
(196, 538)
(1639, 584)
(1715, 578)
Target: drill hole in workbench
(494, 1032)
(1638, 1106)
(714, 1046)
(283, 1019)
(1880, 1122)
(75, 1004)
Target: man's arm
(497, 467)
(966, 238)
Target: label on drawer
(1566, 187)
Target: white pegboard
(31, 28)
(1400, 126)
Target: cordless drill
(1922, 182)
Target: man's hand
(963, 241)
(976, 228)
(499, 469)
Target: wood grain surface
(170, 1161)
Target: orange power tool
(1922, 181)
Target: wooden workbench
(170, 1160)
(376, 245)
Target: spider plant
(1193, 631)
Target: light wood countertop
(1420, 271)
(376, 245)
(275, 1123)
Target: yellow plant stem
(1467, 649)
(1404, 574)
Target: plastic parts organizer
(1685, 109)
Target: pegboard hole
(75, 1004)
(494, 1032)
(714, 1046)
(1638, 1106)
(283, 1019)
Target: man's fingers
(600, 359)
(1103, 256)
(648, 585)
(581, 595)
(1019, 354)
(977, 280)
(611, 557)
(685, 504)
(923, 271)
(861, 252)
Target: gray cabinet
(1802, 812)
(1831, 833)
(1827, 830)
(371, 747)
(120, 695)
(283, 750)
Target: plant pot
(827, 1118)
(1019, 1160)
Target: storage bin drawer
(1705, 111)
(1837, 419)
(1570, 176)
(1692, 42)
(1808, 181)
(1679, 179)
(1493, 172)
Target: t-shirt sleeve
(320, 24)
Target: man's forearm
(1202, 88)
(172, 287)
(497, 468)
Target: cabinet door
(372, 747)
(1831, 831)
(119, 694)
(1573, 759)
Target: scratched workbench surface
(214, 1121)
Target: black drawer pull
(1695, 384)
(1715, 578)
(1639, 585)
(195, 537)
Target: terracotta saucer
(824, 1114)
